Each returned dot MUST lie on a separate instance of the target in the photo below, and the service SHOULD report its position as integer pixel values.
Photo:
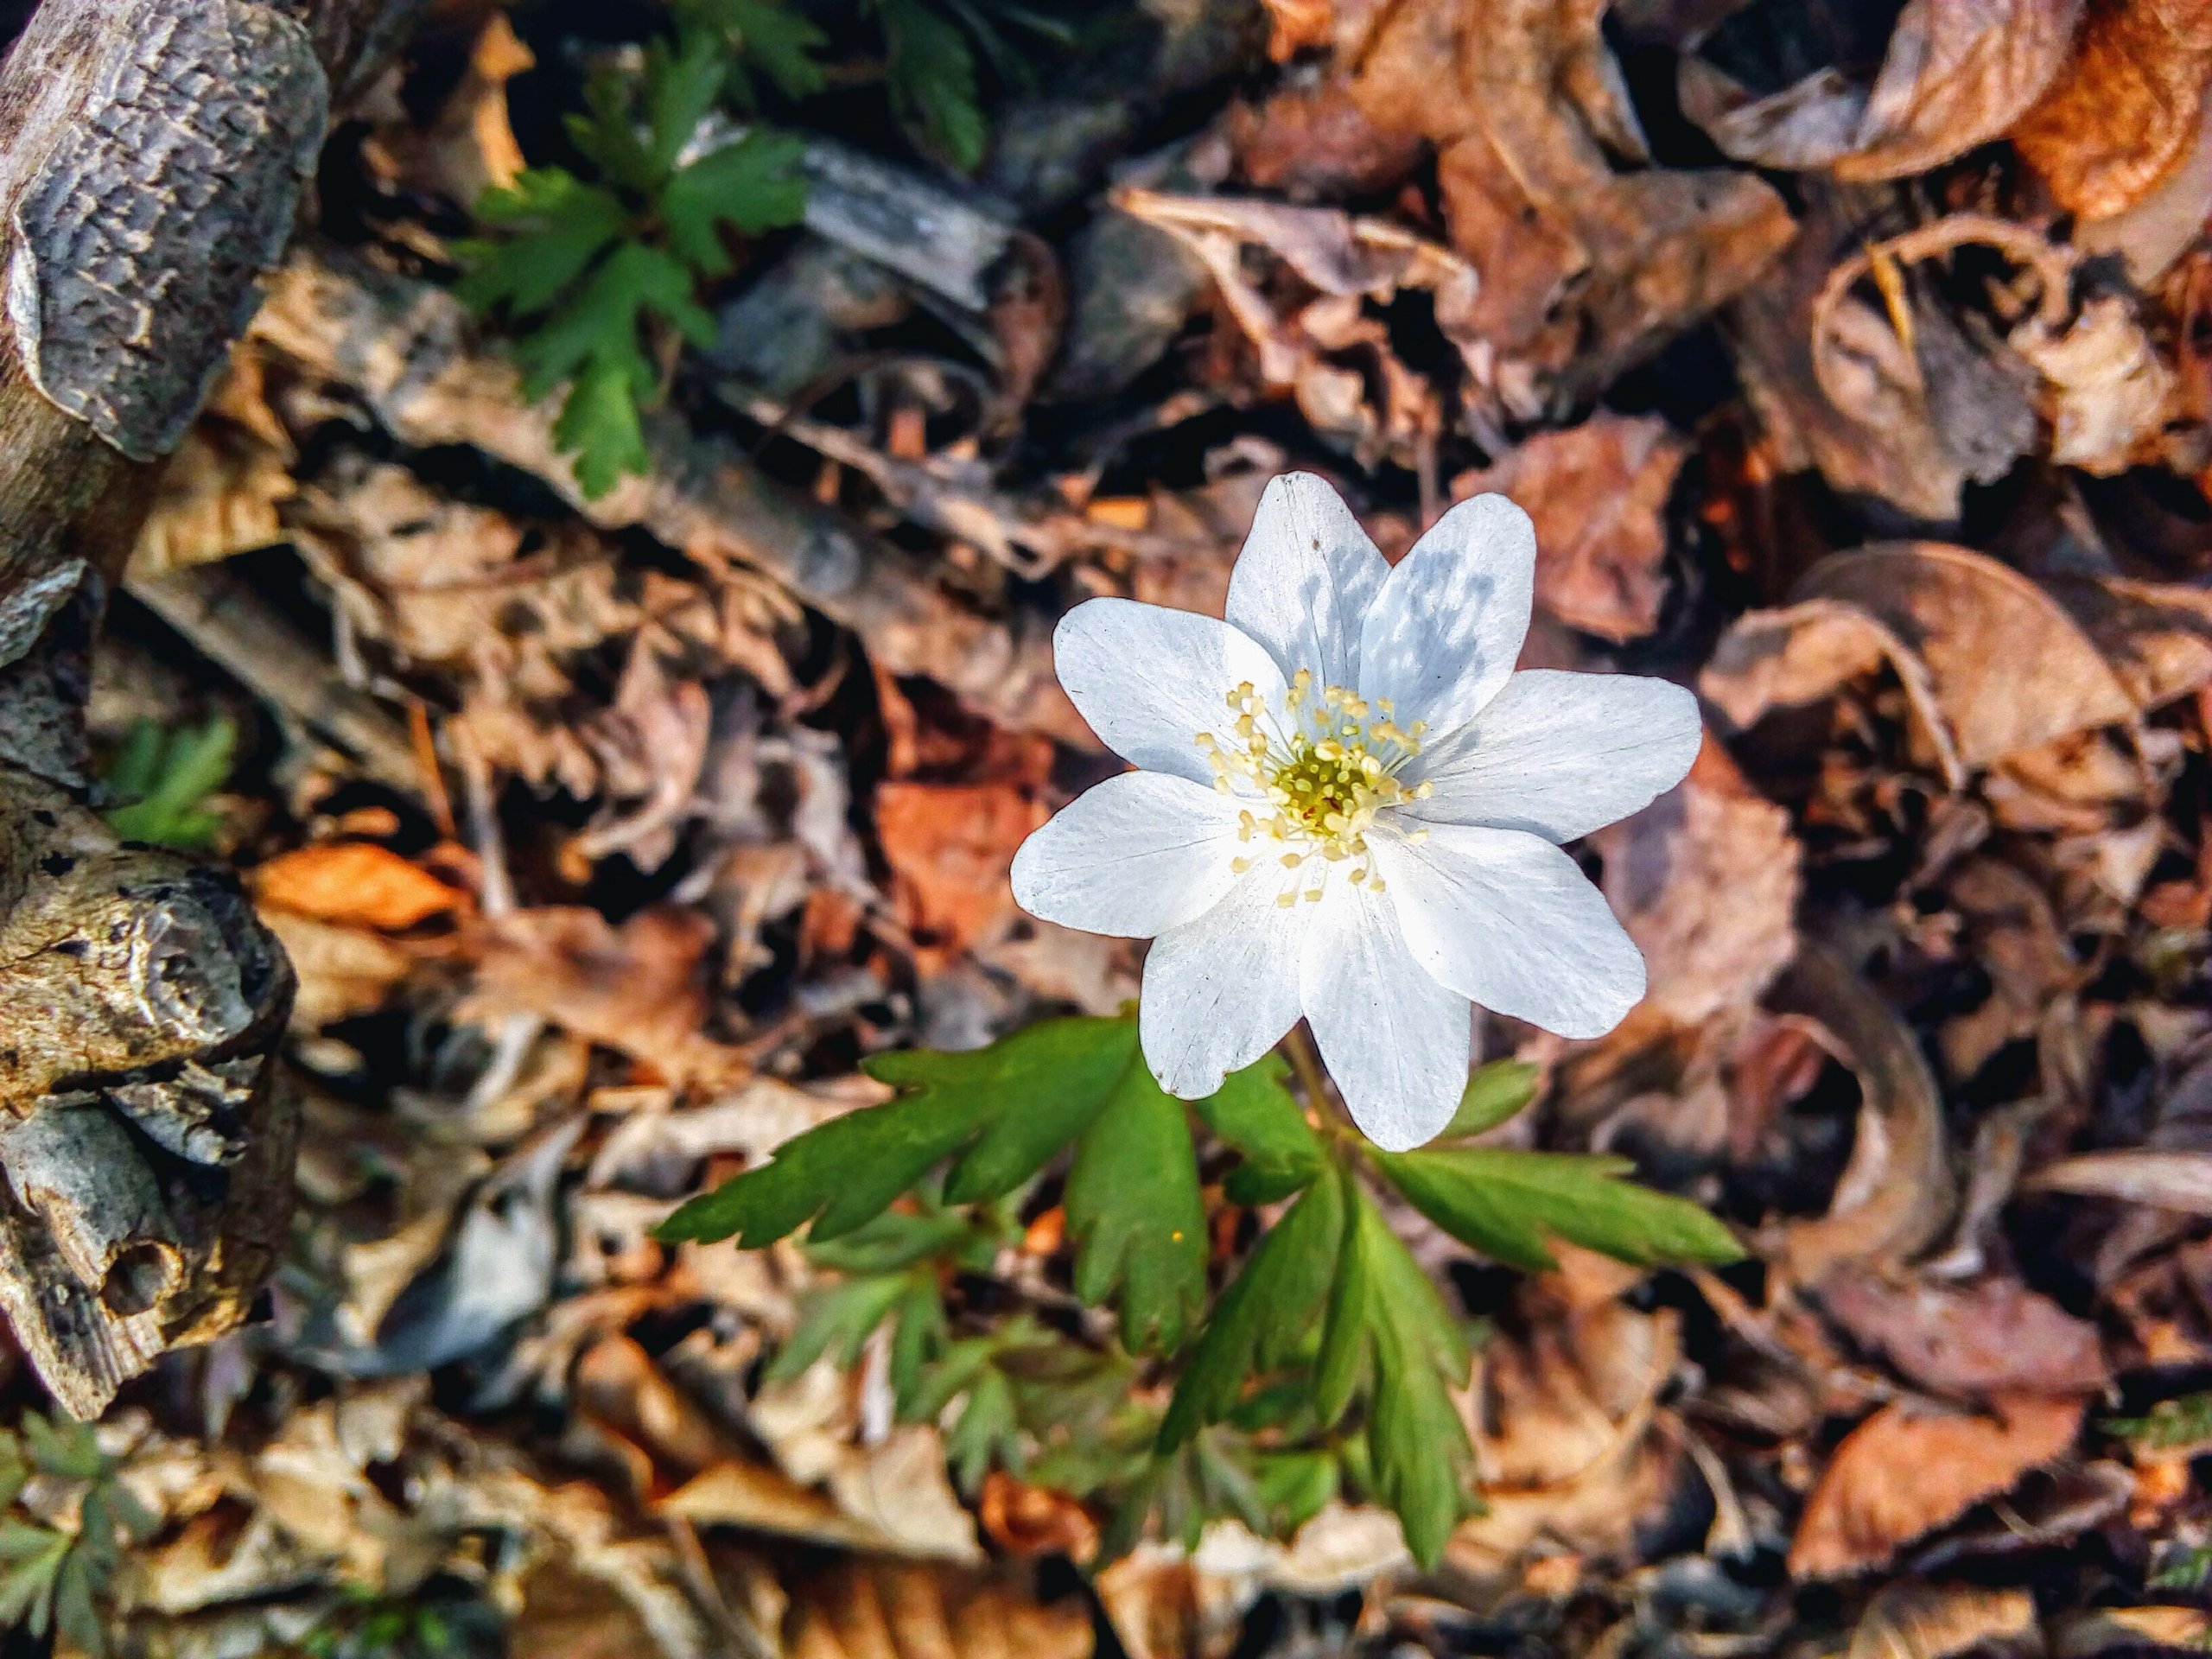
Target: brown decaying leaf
(1912, 1467)
(1597, 492)
(948, 846)
(354, 884)
(639, 988)
(2126, 109)
(1586, 267)
(1957, 74)
(2164, 1180)
(878, 1611)
(1993, 1335)
(2008, 668)
(1706, 881)
(1930, 1621)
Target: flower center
(1324, 768)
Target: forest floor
(620, 775)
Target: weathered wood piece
(153, 155)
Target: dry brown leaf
(342, 971)
(2008, 668)
(2126, 109)
(1932, 1621)
(1026, 1520)
(1992, 1335)
(1599, 494)
(1706, 881)
(1589, 256)
(1911, 1467)
(639, 988)
(884, 1611)
(1957, 74)
(354, 884)
(2163, 1180)
(2100, 1630)
(2110, 389)
(949, 847)
(218, 495)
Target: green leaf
(1295, 1485)
(932, 76)
(564, 224)
(1510, 1204)
(599, 425)
(988, 1430)
(69, 1450)
(1016, 1103)
(920, 1334)
(187, 767)
(599, 324)
(1134, 1212)
(1493, 1095)
(836, 1320)
(606, 132)
(753, 184)
(681, 86)
(1255, 1114)
(1389, 1337)
(75, 1618)
(1260, 1318)
(34, 1555)
(775, 39)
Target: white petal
(1305, 580)
(1140, 854)
(1510, 921)
(1221, 991)
(1396, 1040)
(1562, 754)
(1150, 679)
(1443, 633)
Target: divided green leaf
(1255, 1114)
(1268, 1308)
(932, 74)
(1390, 1340)
(1494, 1095)
(1134, 1212)
(1510, 1205)
(163, 777)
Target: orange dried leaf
(356, 884)
(1911, 1468)
(2125, 111)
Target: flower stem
(1306, 1060)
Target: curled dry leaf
(2110, 389)
(1990, 1336)
(1599, 494)
(2007, 667)
(354, 884)
(1894, 1196)
(2126, 108)
(1912, 1467)
(1957, 74)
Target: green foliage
(933, 85)
(1509, 1205)
(2183, 1568)
(52, 1578)
(1388, 1339)
(1493, 1096)
(596, 276)
(1327, 1363)
(369, 1624)
(2186, 1421)
(162, 776)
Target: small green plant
(370, 1625)
(51, 1577)
(599, 276)
(2183, 1568)
(2184, 1421)
(1329, 1360)
(163, 776)
(931, 65)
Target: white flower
(1349, 806)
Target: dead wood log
(407, 350)
(153, 156)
